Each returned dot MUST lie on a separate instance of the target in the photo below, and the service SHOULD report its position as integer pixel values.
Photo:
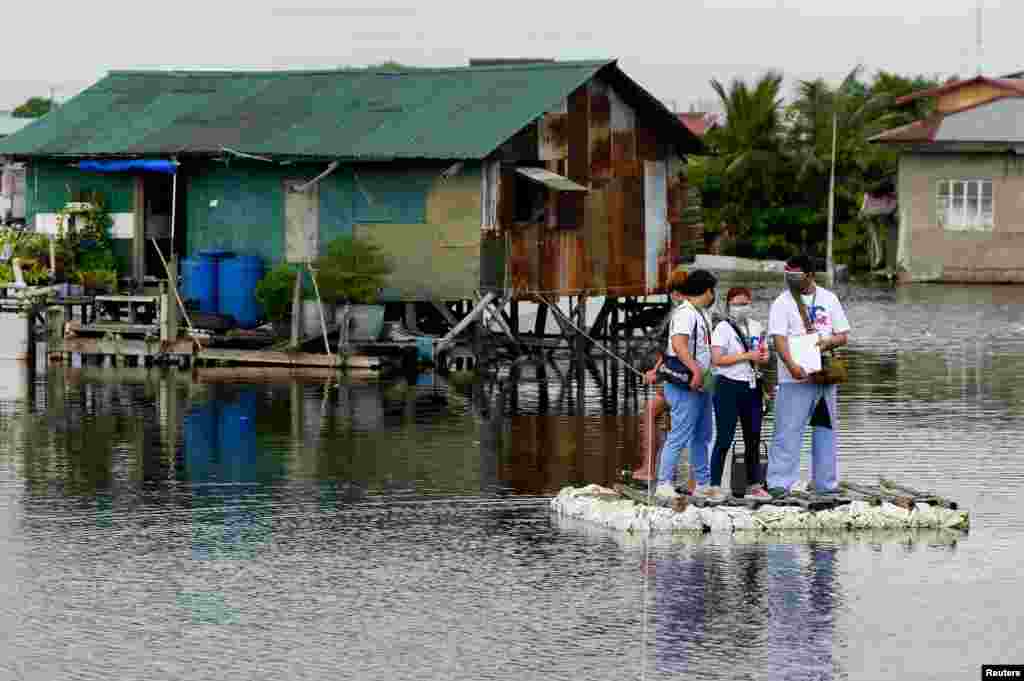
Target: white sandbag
(720, 521)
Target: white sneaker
(715, 495)
(666, 490)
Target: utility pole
(980, 48)
(831, 203)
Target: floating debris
(627, 510)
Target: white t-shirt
(725, 338)
(684, 318)
(824, 309)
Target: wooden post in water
(581, 349)
(297, 310)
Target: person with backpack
(738, 349)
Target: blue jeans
(794, 407)
(691, 427)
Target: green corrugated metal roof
(352, 114)
(355, 114)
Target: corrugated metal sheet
(656, 227)
(350, 114)
(999, 121)
(550, 179)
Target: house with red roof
(699, 123)
(961, 183)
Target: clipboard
(805, 352)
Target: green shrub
(353, 270)
(274, 292)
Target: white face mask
(740, 312)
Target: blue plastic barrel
(199, 282)
(236, 289)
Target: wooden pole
(320, 306)
(297, 309)
(173, 280)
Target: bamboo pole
(173, 282)
(320, 306)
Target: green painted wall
(47, 183)
(46, 191)
(237, 208)
(248, 217)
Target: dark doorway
(157, 192)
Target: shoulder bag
(834, 369)
(672, 369)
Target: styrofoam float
(604, 507)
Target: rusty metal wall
(595, 242)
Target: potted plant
(311, 309)
(274, 293)
(96, 281)
(350, 276)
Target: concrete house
(12, 175)
(562, 176)
(961, 184)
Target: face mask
(740, 312)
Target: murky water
(233, 525)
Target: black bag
(673, 371)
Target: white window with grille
(965, 204)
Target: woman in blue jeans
(691, 411)
(737, 349)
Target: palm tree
(853, 112)
(748, 146)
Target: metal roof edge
(342, 70)
(597, 67)
(671, 118)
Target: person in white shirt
(736, 359)
(689, 352)
(799, 399)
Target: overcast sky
(673, 49)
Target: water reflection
(772, 608)
(222, 465)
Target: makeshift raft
(858, 507)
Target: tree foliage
(34, 107)
(768, 177)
